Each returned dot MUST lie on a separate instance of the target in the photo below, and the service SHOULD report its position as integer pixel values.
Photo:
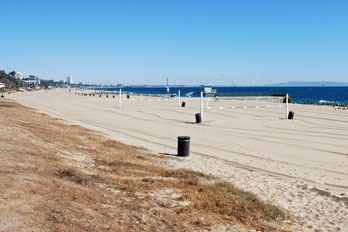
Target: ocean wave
(325, 102)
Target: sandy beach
(300, 165)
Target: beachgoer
(216, 98)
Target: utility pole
(202, 106)
(179, 97)
(287, 106)
(120, 102)
(167, 88)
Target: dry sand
(56, 176)
(300, 165)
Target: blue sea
(297, 94)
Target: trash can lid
(184, 137)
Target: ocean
(311, 95)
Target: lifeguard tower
(208, 91)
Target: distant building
(18, 75)
(2, 85)
(69, 80)
(32, 80)
(62, 81)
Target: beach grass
(199, 174)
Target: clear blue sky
(217, 42)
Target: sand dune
(300, 164)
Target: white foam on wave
(324, 101)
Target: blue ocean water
(297, 94)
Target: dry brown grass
(63, 177)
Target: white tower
(69, 80)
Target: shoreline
(102, 91)
(257, 132)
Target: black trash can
(291, 115)
(183, 104)
(107, 96)
(198, 118)
(184, 146)
(113, 96)
(99, 95)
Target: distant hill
(312, 84)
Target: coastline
(298, 164)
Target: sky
(192, 42)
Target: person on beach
(216, 98)
(284, 101)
